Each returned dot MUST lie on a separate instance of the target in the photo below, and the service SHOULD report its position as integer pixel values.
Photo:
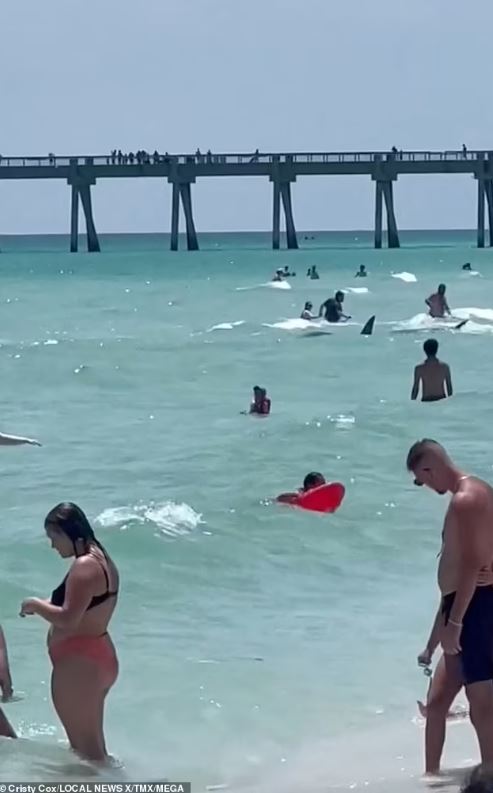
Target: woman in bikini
(84, 660)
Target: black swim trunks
(433, 398)
(477, 635)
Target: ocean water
(261, 648)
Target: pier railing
(249, 158)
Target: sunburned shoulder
(474, 495)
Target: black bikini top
(58, 594)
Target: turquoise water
(261, 648)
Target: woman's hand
(425, 658)
(28, 607)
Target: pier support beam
(92, 237)
(488, 187)
(481, 197)
(392, 233)
(384, 190)
(175, 216)
(74, 220)
(186, 200)
(276, 216)
(378, 214)
(291, 238)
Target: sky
(86, 76)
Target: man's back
(435, 379)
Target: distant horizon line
(301, 232)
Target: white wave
(425, 322)
(474, 313)
(408, 278)
(50, 341)
(357, 290)
(277, 285)
(226, 326)
(269, 285)
(168, 517)
(296, 323)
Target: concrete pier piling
(276, 215)
(291, 238)
(282, 169)
(74, 220)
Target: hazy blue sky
(86, 76)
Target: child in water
(311, 481)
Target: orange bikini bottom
(99, 649)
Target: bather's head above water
(311, 480)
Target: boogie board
(326, 498)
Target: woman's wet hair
(68, 518)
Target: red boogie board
(326, 498)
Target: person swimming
(261, 403)
(467, 267)
(85, 664)
(437, 303)
(361, 272)
(279, 275)
(311, 481)
(313, 274)
(287, 274)
(433, 374)
(332, 308)
(307, 311)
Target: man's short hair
(430, 347)
(418, 451)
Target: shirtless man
(434, 376)
(332, 308)
(437, 303)
(465, 614)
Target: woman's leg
(446, 684)
(79, 686)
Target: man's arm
(448, 381)
(446, 307)
(428, 301)
(417, 380)
(470, 547)
(15, 440)
(321, 311)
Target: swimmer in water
(433, 374)
(307, 311)
(260, 405)
(311, 481)
(467, 267)
(287, 274)
(361, 272)
(332, 308)
(279, 275)
(313, 274)
(437, 303)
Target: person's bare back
(433, 375)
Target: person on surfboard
(437, 304)
(311, 480)
(433, 375)
(307, 311)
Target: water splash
(168, 517)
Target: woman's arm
(16, 440)
(81, 583)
